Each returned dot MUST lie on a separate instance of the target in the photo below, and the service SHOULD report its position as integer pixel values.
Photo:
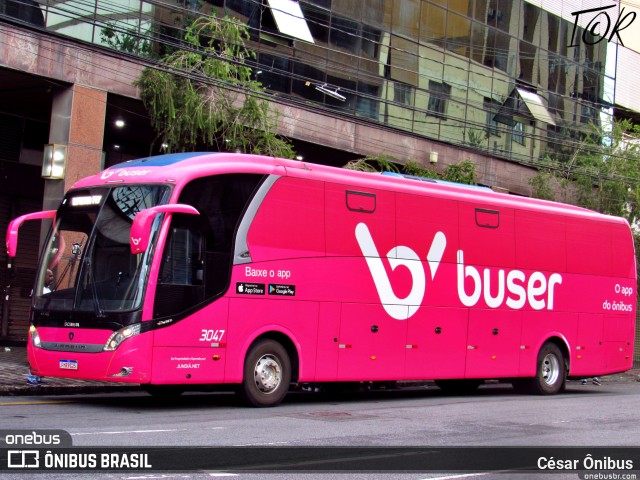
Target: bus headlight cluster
(35, 338)
(120, 336)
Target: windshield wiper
(97, 307)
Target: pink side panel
(622, 258)
(589, 358)
(193, 351)
(591, 294)
(589, 248)
(341, 222)
(487, 245)
(418, 219)
(253, 316)
(618, 356)
(290, 222)
(192, 331)
(328, 338)
(371, 344)
(188, 365)
(534, 233)
(617, 328)
(493, 344)
(436, 344)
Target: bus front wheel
(267, 374)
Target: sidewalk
(14, 369)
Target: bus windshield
(87, 263)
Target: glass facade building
(502, 77)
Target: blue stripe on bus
(160, 160)
(435, 180)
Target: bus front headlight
(120, 336)
(33, 334)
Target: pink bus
(189, 270)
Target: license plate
(69, 364)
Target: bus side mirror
(14, 226)
(141, 227)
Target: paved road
(583, 416)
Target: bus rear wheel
(551, 373)
(267, 374)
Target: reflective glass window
(433, 24)
(318, 20)
(439, 94)
(406, 18)
(464, 7)
(273, 72)
(458, 34)
(344, 34)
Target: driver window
(183, 260)
(196, 261)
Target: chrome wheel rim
(268, 374)
(550, 369)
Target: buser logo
(400, 308)
(123, 172)
(515, 288)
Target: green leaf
(192, 97)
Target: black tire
(551, 373)
(267, 374)
(459, 387)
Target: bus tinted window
(196, 262)
(89, 253)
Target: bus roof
(180, 168)
(436, 180)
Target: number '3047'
(212, 335)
